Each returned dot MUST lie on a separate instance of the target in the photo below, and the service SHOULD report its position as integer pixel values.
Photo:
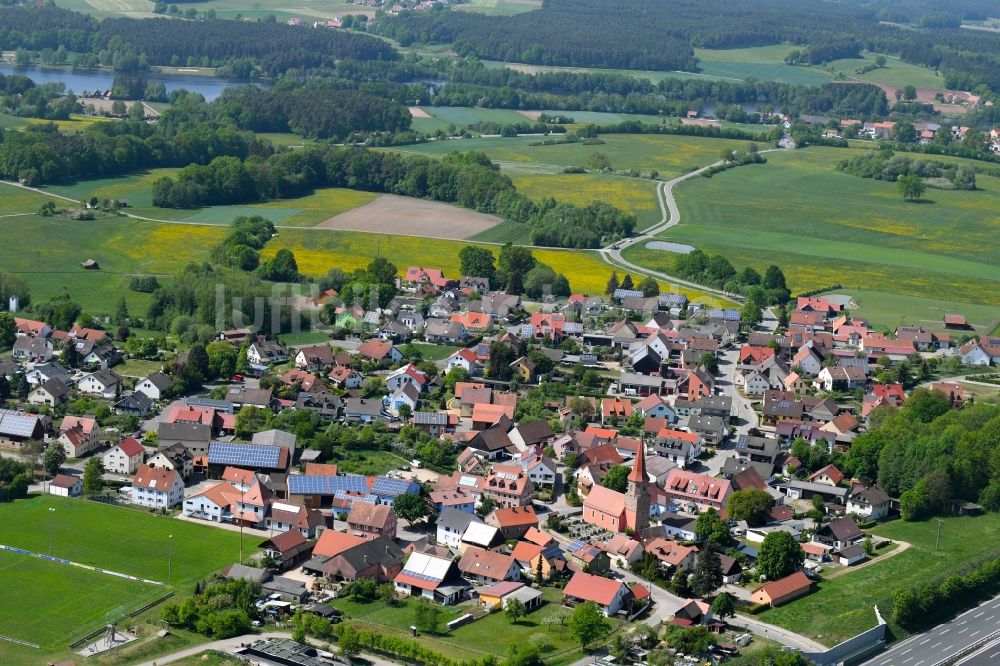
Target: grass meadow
(500, 7)
(630, 194)
(58, 603)
(824, 227)
(842, 607)
(670, 155)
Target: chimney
(260, 339)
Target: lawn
(491, 634)
(434, 352)
(306, 337)
(842, 607)
(670, 155)
(465, 115)
(138, 368)
(53, 604)
(824, 227)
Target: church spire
(638, 474)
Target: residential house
(287, 548)
(608, 594)
(525, 369)
(430, 577)
(65, 485)
(508, 486)
(830, 475)
(343, 557)
(513, 522)
(103, 383)
(681, 448)
(839, 534)
(262, 353)
(465, 359)
(407, 395)
(360, 410)
(124, 457)
(672, 555)
(379, 351)
(451, 526)
(133, 403)
(656, 407)
(16, 428)
(284, 517)
(499, 595)
(172, 457)
(78, 435)
(371, 521)
(486, 567)
(782, 590)
(712, 429)
(868, 500)
(51, 392)
(690, 488)
(157, 488)
(344, 377)
(315, 358)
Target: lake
(77, 81)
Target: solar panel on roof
(389, 487)
(247, 455)
(326, 485)
(16, 424)
(575, 545)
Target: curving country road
(670, 217)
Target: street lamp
(51, 511)
(170, 554)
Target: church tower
(637, 495)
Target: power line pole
(937, 541)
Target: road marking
(978, 614)
(923, 641)
(974, 633)
(905, 651)
(962, 631)
(906, 660)
(945, 631)
(995, 654)
(935, 645)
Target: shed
(90, 265)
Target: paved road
(947, 640)
(988, 655)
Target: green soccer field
(125, 540)
(52, 604)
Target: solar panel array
(16, 424)
(727, 315)
(326, 485)
(388, 487)
(575, 545)
(572, 327)
(244, 455)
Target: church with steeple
(618, 512)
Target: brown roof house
(782, 590)
(371, 521)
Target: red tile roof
(130, 446)
(601, 591)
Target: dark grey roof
(362, 556)
(247, 573)
(285, 586)
(184, 432)
(457, 520)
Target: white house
(52, 393)
(451, 526)
(465, 359)
(869, 501)
(124, 457)
(408, 395)
(154, 386)
(808, 360)
(157, 488)
(104, 383)
(263, 352)
(407, 375)
(345, 378)
(65, 485)
(656, 407)
(540, 470)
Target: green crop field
(281, 9)
(651, 75)
(670, 155)
(824, 227)
(465, 115)
(762, 62)
(896, 72)
(842, 607)
(58, 603)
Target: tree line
(470, 180)
(884, 165)
(128, 43)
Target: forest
(927, 453)
(639, 34)
(129, 44)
